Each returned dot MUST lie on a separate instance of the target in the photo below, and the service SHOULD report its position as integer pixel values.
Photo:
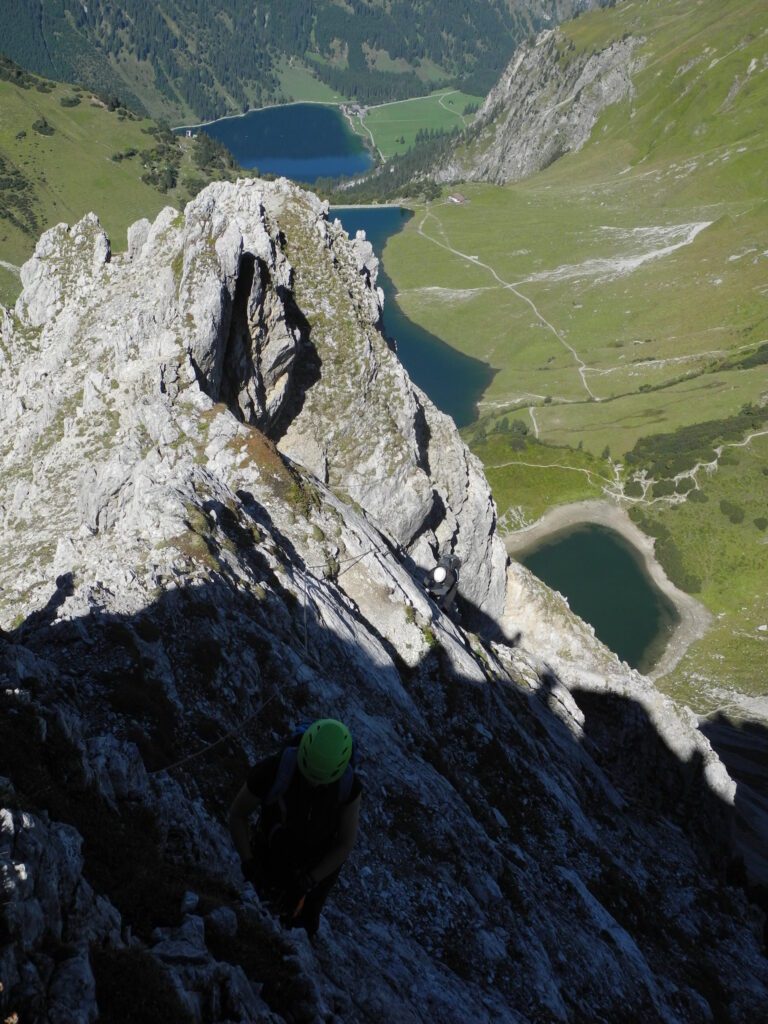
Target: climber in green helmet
(308, 795)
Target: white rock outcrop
(545, 105)
(218, 484)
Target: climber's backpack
(286, 769)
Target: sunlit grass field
(528, 480)
(298, 83)
(732, 560)
(9, 287)
(552, 315)
(610, 291)
(394, 125)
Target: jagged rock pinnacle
(218, 488)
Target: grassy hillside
(621, 294)
(63, 153)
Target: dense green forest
(187, 57)
(402, 177)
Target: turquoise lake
(607, 585)
(303, 141)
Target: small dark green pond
(606, 584)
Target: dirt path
(450, 109)
(694, 617)
(360, 117)
(580, 364)
(533, 420)
(10, 266)
(589, 473)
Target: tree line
(214, 59)
(667, 455)
(404, 176)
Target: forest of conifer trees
(208, 59)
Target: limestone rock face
(545, 105)
(64, 260)
(218, 484)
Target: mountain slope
(620, 294)
(678, 84)
(64, 150)
(185, 61)
(544, 836)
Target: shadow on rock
(485, 815)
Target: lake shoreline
(320, 103)
(368, 206)
(256, 110)
(694, 618)
(299, 141)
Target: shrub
(761, 522)
(70, 101)
(661, 488)
(633, 489)
(42, 127)
(666, 455)
(698, 496)
(211, 155)
(733, 511)
(667, 552)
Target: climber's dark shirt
(311, 815)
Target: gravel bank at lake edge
(695, 619)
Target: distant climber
(442, 582)
(309, 797)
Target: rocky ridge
(545, 105)
(218, 489)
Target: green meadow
(10, 286)
(394, 125)
(617, 294)
(732, 561)
(298, 83)
(527, 477)
(86, 158)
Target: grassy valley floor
(621, 295)
(393, 126)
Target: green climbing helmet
(325, 751)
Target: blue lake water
(605, 582)
(453, 381)
(303, 141)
